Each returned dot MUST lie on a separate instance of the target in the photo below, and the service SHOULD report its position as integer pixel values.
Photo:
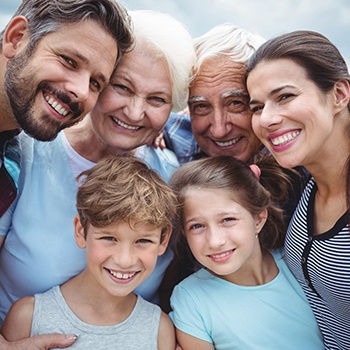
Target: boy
(125, 211)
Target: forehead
(133, 226)
(88, 41)
(145, 70)
(218, 76)
(219, 196)
(278, 72)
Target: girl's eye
(195, 226)
(228, 219)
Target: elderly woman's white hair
(226, 40)
(163, 35)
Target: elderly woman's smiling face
(137, 102)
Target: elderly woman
(149, 81)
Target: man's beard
(21, 92)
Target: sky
(266, 17)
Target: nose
(124, 256)
(269, 116)
(79, 86)
(216, 238)
(135, 108)
(219, 125)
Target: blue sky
(266, 17)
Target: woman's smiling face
(137, 102)
(291, 116)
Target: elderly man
(55, 58)
(220, 118)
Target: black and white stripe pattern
(321, 264)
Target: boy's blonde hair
(124, 188)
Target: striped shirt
(321, 264)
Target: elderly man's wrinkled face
(220, 115)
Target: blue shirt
(272, 316)
(179, 138)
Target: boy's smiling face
(120, 257)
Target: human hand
(158, 141)
(39, 342)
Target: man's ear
(79, 232)
(166, 237)
(15, 36)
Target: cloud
(268, 18)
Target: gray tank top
(138, 332)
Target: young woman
(299, 89)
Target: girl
(299, 89)
(244, 297)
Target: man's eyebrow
(273, 92)
(194, 99)
(236, 93)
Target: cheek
(199, 125)
(108, 101)
(95, 256)
(195, 243)
(159, 118)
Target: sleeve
(187, 313)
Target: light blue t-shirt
(273, 316)
(39, 251)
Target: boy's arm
(187, 342)
(18, 321)
(166, 334)
(16, 330)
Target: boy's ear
(15, 36)
(163, 246)
(79, 232)
(260, 220)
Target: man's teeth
(56, 106)
(123, 276)
(218, 256)
(227, 143)
(126, 126)
(279, 141)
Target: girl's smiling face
(291, 116)
(222, 237)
